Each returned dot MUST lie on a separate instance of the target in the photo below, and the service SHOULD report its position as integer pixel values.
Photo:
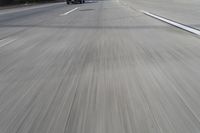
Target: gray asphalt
(103, 68)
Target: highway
(100, 67)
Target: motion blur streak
(101, 69)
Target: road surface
(100, 67)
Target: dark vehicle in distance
(75, 1)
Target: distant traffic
(75, 1)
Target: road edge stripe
(173, 23)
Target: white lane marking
(184, 27)
(69, 12)
(6, 43)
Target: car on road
(75, 1)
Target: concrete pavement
(103, 68)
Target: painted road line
(6, 43)
(173, 23)
(69, 12)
